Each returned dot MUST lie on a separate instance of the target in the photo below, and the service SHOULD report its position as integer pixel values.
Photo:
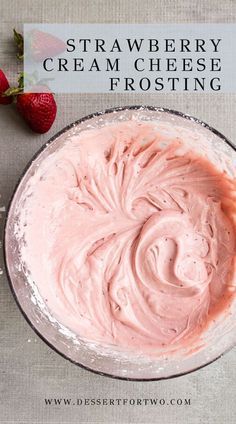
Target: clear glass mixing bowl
(220, 336)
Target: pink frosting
(130, 243)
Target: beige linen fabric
(29, 370)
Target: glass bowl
(216, 340)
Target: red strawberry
(4, 85)
(39, 44)
(38, 109)
(44, 45)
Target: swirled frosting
(130, 242)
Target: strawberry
(45, 45)
(39, 44)
(4, 85)
(37, 107)
(38, 110)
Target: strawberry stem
(14, 91)
(19, 40)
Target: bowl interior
(215, 341)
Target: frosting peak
(129, 242)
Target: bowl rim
(26, 168)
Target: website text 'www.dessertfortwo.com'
(117, 402)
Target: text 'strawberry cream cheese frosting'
(130, 242)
